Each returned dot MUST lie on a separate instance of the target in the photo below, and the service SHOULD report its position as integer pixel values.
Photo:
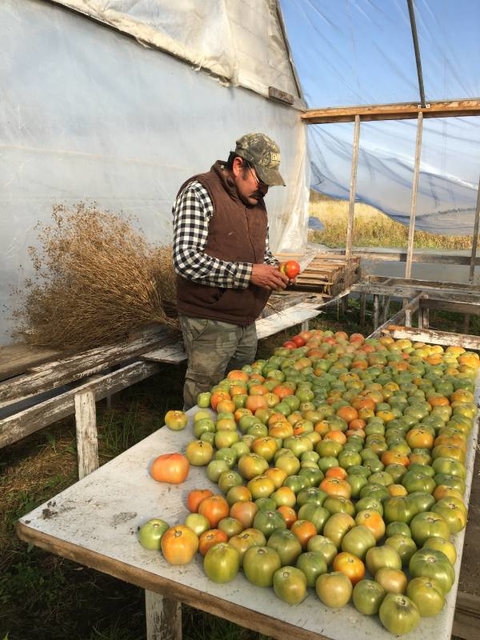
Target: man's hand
(268, 277)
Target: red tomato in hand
(170, 467)
(291, 268)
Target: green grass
(372, 228)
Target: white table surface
(95, 521)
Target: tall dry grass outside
(96, 280)
(372, 228)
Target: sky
(361, 52)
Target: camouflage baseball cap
(264, 154)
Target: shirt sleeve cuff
(243, 274)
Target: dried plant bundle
(97, 279)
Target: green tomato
(286, 544)
(260, 564)
(427, 524)
(399, 614)
(151, 532)
(334, 589)
(203, 399)
(290, 584)
(367, 596)
(427, 595)
(404, 545)
(358, 541)
(221, 562)
(434, 565)
(382, 556)
(268, 520)
(397, 509)
(313, 564)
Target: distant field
(372, 228)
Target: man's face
(249, 187)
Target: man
(225, 269)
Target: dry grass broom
(96, 280)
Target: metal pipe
(416, 46)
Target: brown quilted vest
(236, 234)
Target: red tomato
(291, 268)
(170, 467)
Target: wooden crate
(324, 272)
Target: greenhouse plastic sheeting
(360, 52)
(90, 115)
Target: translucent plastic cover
(88, 114)
(361, 52)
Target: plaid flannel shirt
(192, 212)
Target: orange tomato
(336, 472)
(244, 512)
(195, 496)
(373, 520)
(210, 537)
(418, 438)
(347, 412)
(303, 530)
(349, 565)
(179, 544)
(237, 374)
(336, 487)
(214, 508)
(289, 514)
(336, 435)
(217, 396)
(256, 401)
(170, 467)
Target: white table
(94, 522)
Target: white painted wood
(87, 436)
(434, 337)
(163, 617)
(287, 318)
(57, 373)
(173, 354)
(23, 423)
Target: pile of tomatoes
(340, 467)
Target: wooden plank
(398, 111)
(18, 358)
(433, 337)
(466, 623)
(67, 370)
(398, 317)
(457, 306)
(163, 617)
(86, 428)
(34, 418)
(284, 319)
(392, 255)
(172, 354)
